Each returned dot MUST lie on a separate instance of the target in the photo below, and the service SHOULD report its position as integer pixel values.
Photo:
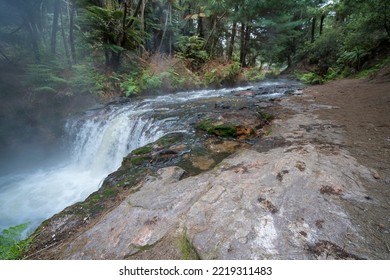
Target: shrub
(130, 87)
(311, 78)
(191, 48)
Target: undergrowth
(12, 246)
(342, 71)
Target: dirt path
(362, 109)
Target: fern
(12, 246)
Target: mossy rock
(140, 161)
(142, 150)
(265, 117)
(170, 139)
(223, 130)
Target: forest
(112, 47)
(61, 57)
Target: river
(95, 143)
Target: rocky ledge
(241, 189)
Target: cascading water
(97, 142)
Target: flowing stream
(97, 141)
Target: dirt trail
(362, 109)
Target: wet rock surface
(288, 189)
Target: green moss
(266, 117)
(219, 130)
(170, 139)
(139, 160)
(96, 209)
(109, 192)
(187, 249)
(143, 150)
(223, 131)
(268, 131)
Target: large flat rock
(288, 203)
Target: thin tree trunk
(143, 16)
(53, 41)
(170, 31)
(66, 47)
(313, 29)
(322, 23)
(123, 31)
(115, 60)
(200, 27)
(242, 45)
(232, 41)
(247, 41)
(215, 22)
(386, 20)
(34, 41)
(71, 33)
(165, 30)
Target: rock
(376, 175)
(221, 105)
(239, 210)
(289, 92)
(245, 93)
(202, 162)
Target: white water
(98, 140)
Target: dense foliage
(105, 39)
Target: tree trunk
(242, 46)
(115, 60)
(386, 20)
(53, 41)
(170, 29)
(232, 41)
(71, 33)
(122, 40)
(313, 29)
(322, 23)
(245, 38)
(200, 27)
(66, 47)
(34, 40)
(165, 30)
(143, 16)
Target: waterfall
(97, 141)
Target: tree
(113, 31)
